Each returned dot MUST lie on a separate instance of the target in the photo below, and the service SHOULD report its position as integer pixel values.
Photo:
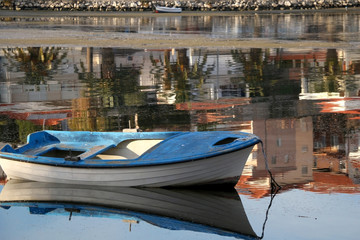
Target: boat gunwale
(147, 159)
(119, 163)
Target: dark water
(303, 103)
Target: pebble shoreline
(186, 5)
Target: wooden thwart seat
(129, 149)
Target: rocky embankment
(186, 5)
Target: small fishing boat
(212, 212)
(147, 159)
(174, 9)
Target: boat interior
(128, 149)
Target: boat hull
(168, 10)
(220, 168)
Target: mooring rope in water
(275, 187)
(273, 194)
(274, 184)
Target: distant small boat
(147, 159)
(212, 212)
(174, 9)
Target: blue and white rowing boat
(148, 159)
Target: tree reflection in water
(38, 63)
(114, 88)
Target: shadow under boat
(215, 212)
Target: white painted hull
(218, 168)
(168, 10)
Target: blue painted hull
(171, 158)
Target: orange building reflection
(330, 182)
(44, 118)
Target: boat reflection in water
(215, 212)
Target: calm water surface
(303, 103)
(327, 26)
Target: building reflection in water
(303, 104)
(317, 26)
